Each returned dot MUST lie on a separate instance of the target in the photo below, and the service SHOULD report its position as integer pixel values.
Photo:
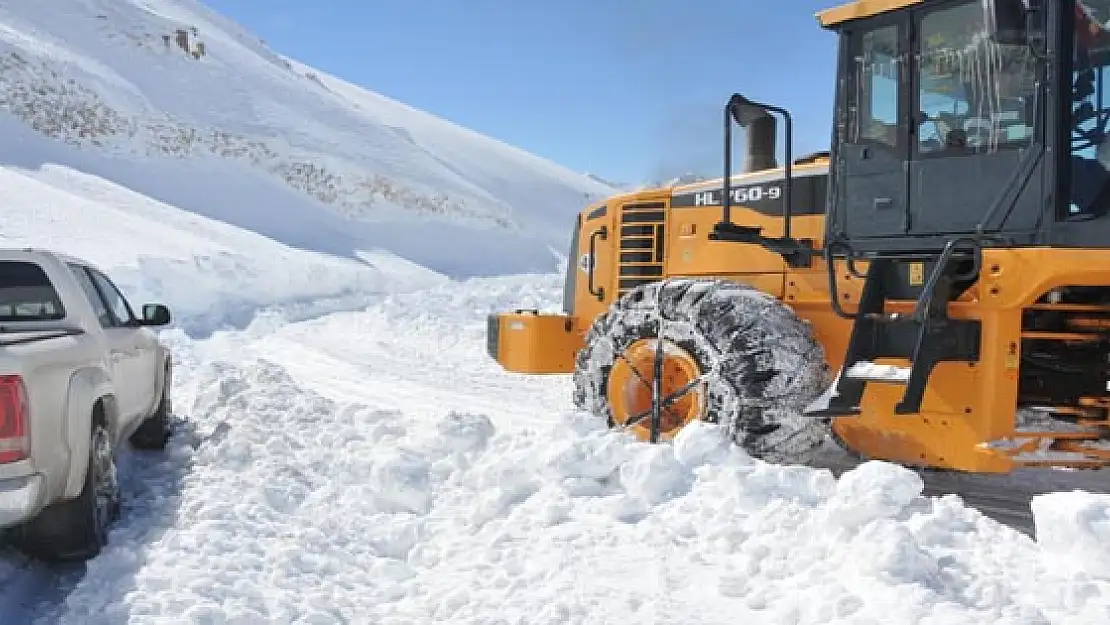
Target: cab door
(874, 151)
(131, 349)
(117, 354)
(133, 345)
(974, 154)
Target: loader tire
(756, 363)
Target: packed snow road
(376, 467)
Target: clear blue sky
(628, 89)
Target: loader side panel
(593, 261)
(757, 200)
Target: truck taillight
(15, 440)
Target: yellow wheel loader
(934, 291)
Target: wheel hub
(631, 389)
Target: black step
(926, 337)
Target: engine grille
(642, 231)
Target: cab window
(974, 95)
(876, 75)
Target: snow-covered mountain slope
(170, 99)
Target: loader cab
(969, 143)
(935, 125)
(970, 119)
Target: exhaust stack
(761, 144)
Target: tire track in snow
(30, 587)
(426, 347)
(34, 592)
(31, 590)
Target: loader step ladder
(925, 337)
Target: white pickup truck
(80, 373)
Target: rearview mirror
(744, 112)
(1004, 21)
(155, 315)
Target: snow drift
(310, 486)
(212, 275)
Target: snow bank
(294, 508)
(334, 471)
(211, 274)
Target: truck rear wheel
(731, 354)
(77, 529)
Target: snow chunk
(871, 491)
(655, 476)
(701, 443)
(1073, 528)
(400, 481)
(463, 432)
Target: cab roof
(835, 16)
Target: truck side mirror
(155, 315)
(1005, 21)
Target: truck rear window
(26, 293)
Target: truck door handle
(601, 233)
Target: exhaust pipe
(760, 153)
(761, 144)
(757, 119)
